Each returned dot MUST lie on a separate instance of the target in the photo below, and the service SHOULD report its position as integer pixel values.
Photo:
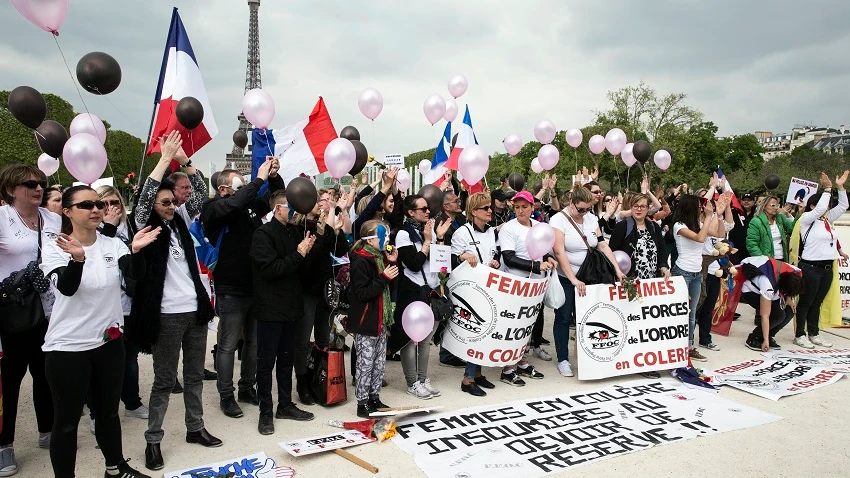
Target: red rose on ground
(113, 333)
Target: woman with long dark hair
(52, 200)
(83, 344)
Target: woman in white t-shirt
(83, 344)
(573, 226)
(22, 187)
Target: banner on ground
(773, 379)
(617, 336)
(540, 436)
(837, 360)
(494, 313)
(257, 465)
(333, 441)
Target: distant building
(838, 142)
(780, 144)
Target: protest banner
(394, 160)
(800, 190)
(772, 379)
(319, 444)
(494, 313)
(540, 436)
(844, 286)
(257, 465)
(617, 336)
(837, 360)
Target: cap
(525, 195)
(499, 195)
(747, 196)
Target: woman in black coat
(643, 241)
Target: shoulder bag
(20, 303)
(596, 268)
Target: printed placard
(772, 379)
(494, 313)
(619, 337)
(319, 444)
(440, 257)
(257, 465)
(394, 160)
(800, 190)
(837, 360)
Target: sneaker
(695, 355)
(529, 372)
(291, 412)
(430, 388)
(125, 471)
(376, 404)
(44, 442)
(141, 412)
(565, 369)
(512, 378)
(91, 425)
(363, 410)
(230, 408)
(773, 344)
(210, 375)
(803, 341)
(266, 423)
(816, 340)
(419, 391)
(753, 343)
(8, 464)
(711, 346)
(542, 354)
(453, 362)
(484, 383)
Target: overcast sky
(746, 65)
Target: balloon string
(111, 103)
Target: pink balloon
(403, 180)
(624, 262)
(371, 103)
(84, 157)
(473, 163)
(424, 167)
(417, 320)
(544, 131)
(451, 110)
(535, 166)
(539, 240)
(45, 14)
(548, 156)
(628, 158)
(663, 159)
(513, 143)
(258, 108)
(458, 85)
(434, 108)
(88, 123)
(340, 156)
(574, 137)
(615, 141)
(596, 144)
(47, 164)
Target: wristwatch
(188, 164)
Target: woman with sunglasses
(171, 309)
(83, 345)
(574, 232)
(24, 228)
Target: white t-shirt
(761, 284)
(79, 321)
(777, 241)
(690, 252)
(126, 301)
(468, 240)
(512, 238)
(178, 292)
(573, 243)
(402, 239)
(19, 244)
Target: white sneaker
(803, 341)
(91, 425)
(419, 391)
(427, 384)
(565, 369)
(816, 340)
(8, 464)
(141, 412)
(542, 354)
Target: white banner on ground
(837, 360)
(774, 380)
(494, 313)
(257, 465)
(618, 337)
(309, 446)
(539, 436)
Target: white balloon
(458, 85)
(451, 110)
(615, 141)
(403, 180)
(48, 164)
(544, 131)
(548, 156)
(434, 108)
(424, 167)
(258, 108)
(473, 163)
(536, 166)
(88, 123)
(513, 143)
(596, 144)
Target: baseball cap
(499, 195)
(524, 195)
(747, 196)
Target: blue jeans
(694, 283)
(471, 370)
(564, 317)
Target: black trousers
(72, 375)
(275, 343)
(22, 351)
(706, 310)
(779, 318)
(817, 282)
(537, 330)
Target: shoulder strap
(580, 232)
(39, 237)
(480, 257)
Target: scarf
(417, 226)
(389, 306)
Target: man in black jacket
(236, 212)
(277, 255)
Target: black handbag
(438, 300)
(596, 268)
(20, 303)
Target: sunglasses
(582, 210)
(32, 184)
(423, 209)
(89, 205)
(485, 208)
(607, 200)
(167, 203)
(113, 202)
(597, 192)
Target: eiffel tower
(240, 159)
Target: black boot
(303, 390)
(363, 409)
(153, 457)
(376, 404)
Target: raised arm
(822, 205)
(833, 214)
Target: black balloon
(771, 182)
(454, 140)
(189, 112)
(516, 181)
(301, 195)
(27, 106)
(99, 73)
(240, 138)
(350, 133)
(361, 159)
(642, 151)
(51, 137)
(537, 187)
(434, 196)
(214, 181)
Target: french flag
(465, 137)
(300, 146)
(180, 77)
(728, 187)
(438, 165)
